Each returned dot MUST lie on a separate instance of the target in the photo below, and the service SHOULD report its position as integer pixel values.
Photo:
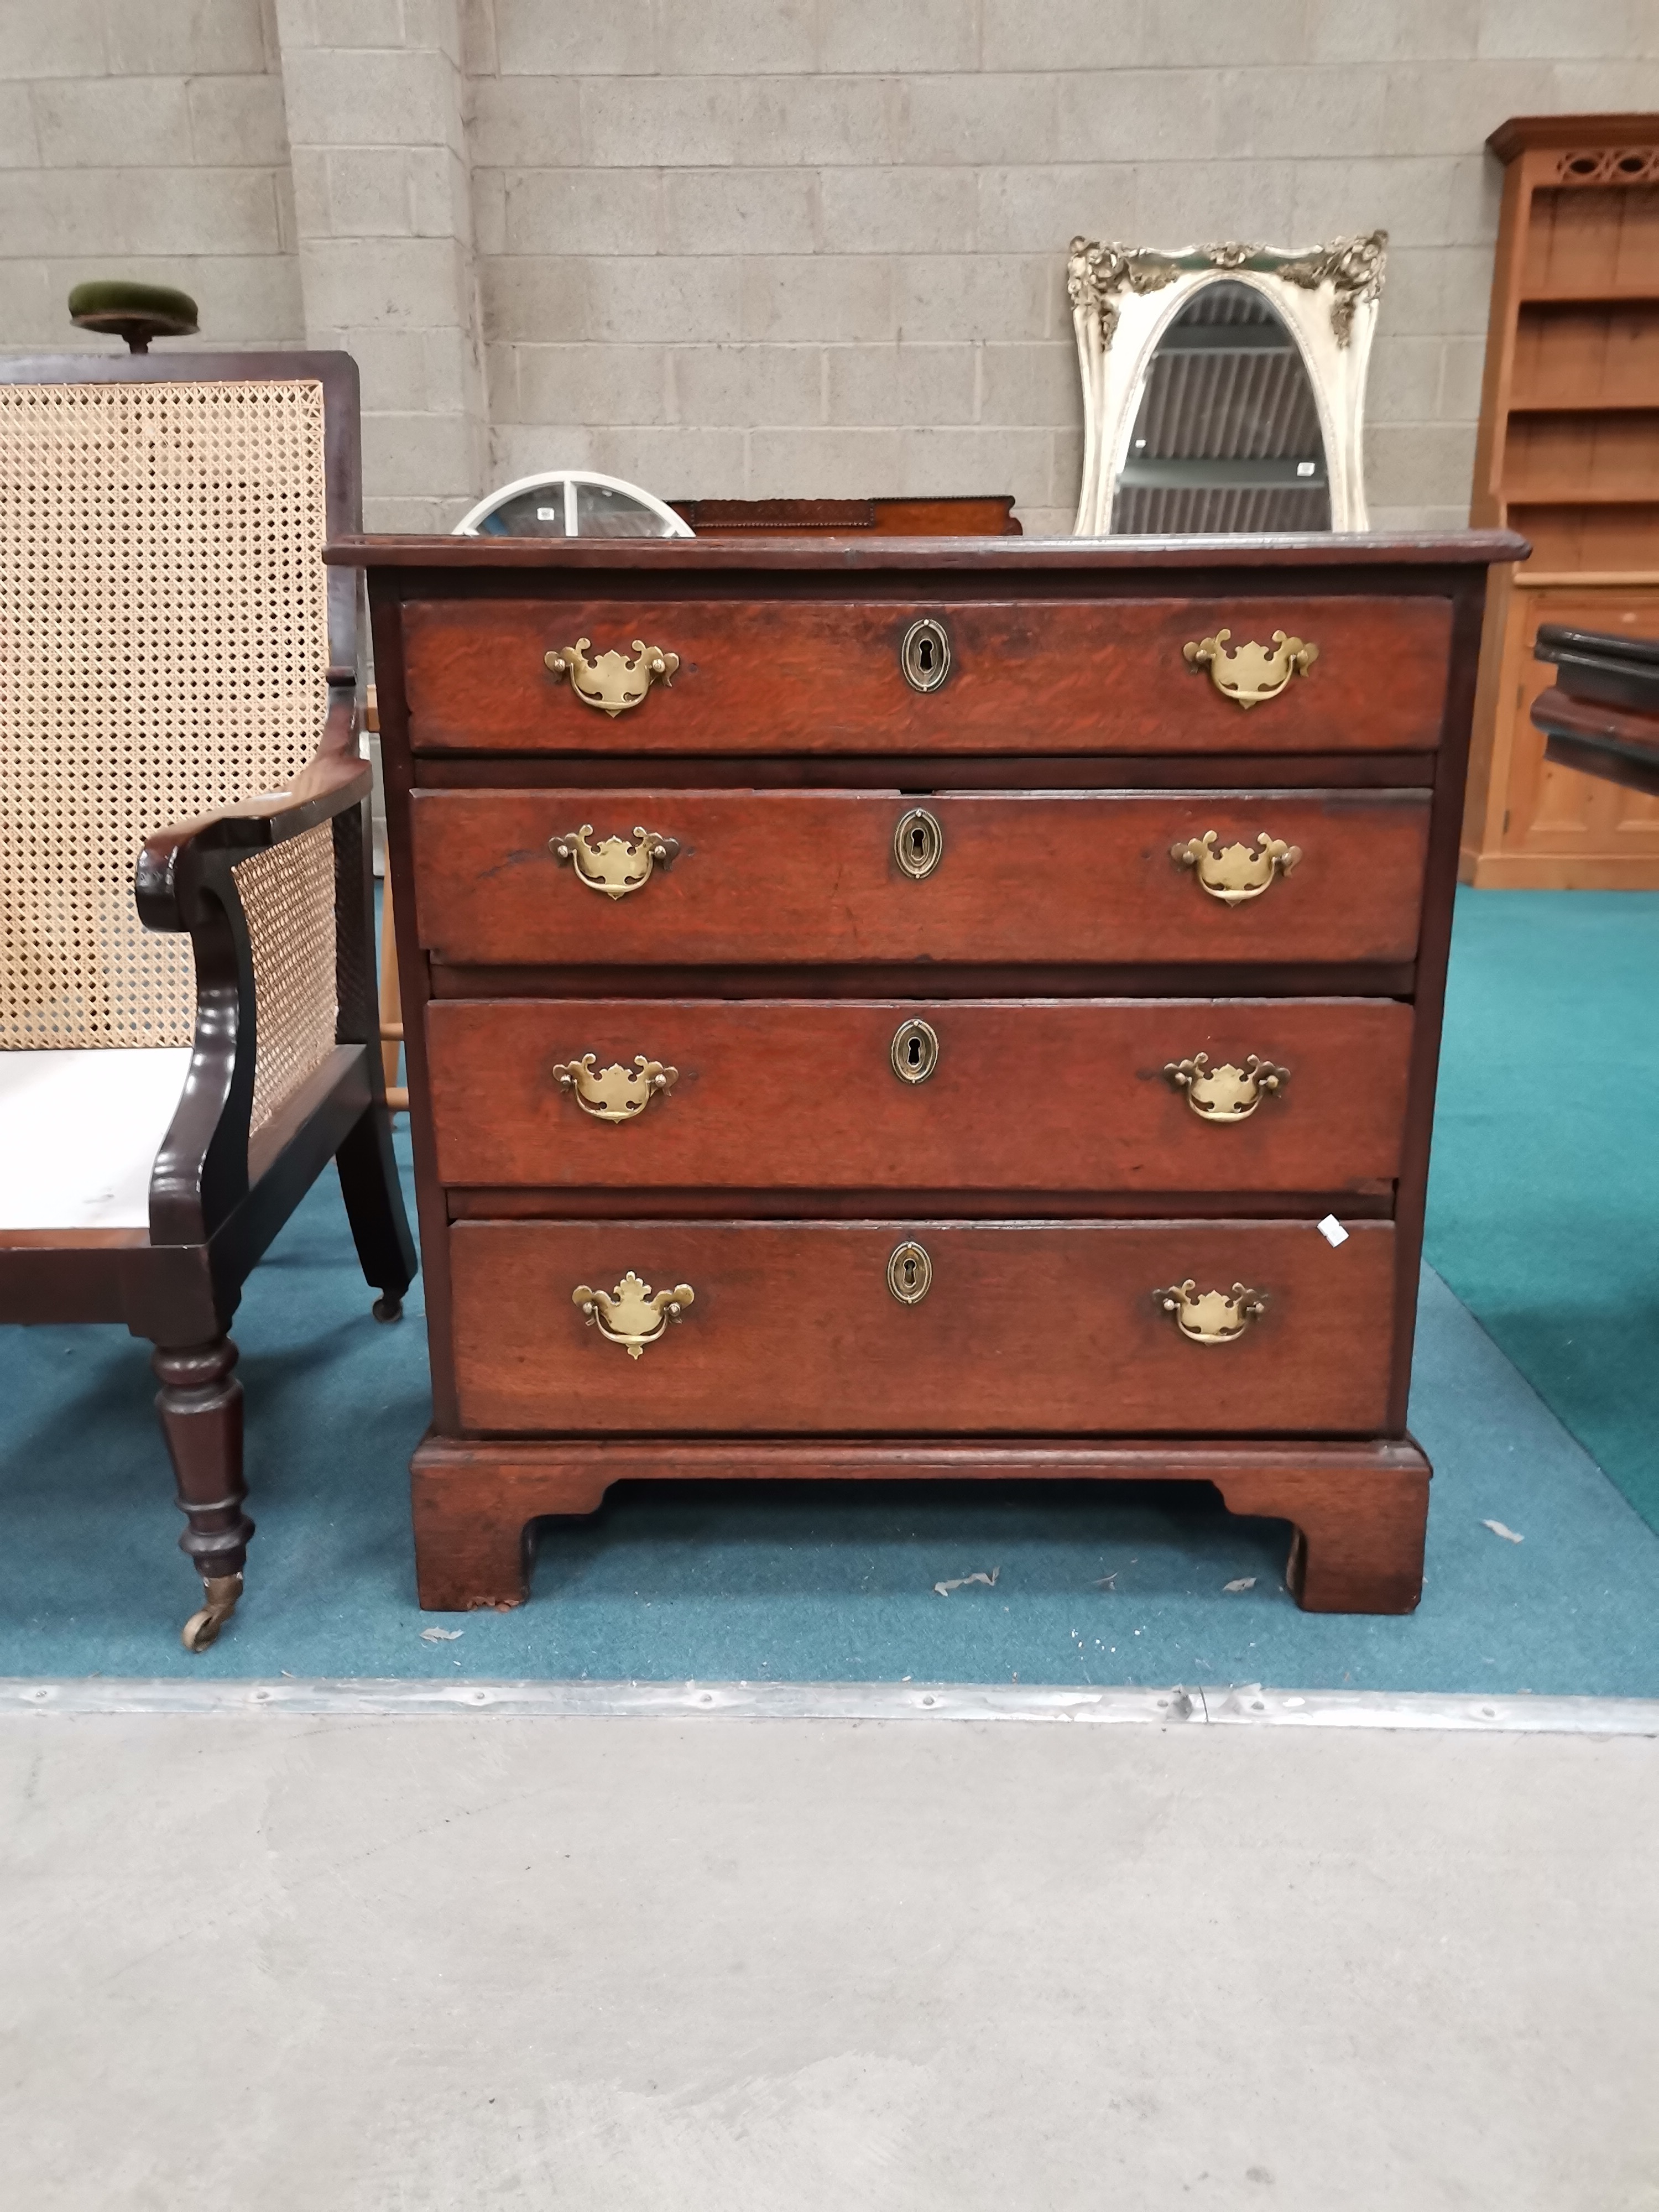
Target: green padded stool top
(136, 312)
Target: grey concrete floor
(717, 1965)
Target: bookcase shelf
(1568, 454)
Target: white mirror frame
(1125, 297)
(569, 478)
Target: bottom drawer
(922, 1328)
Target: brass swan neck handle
(611, 682)
(1251, 672)
(616, 1093)
(1233, 873)
(632, 1314)
(613, 866)
(1212, 1317)
(1226, 1093)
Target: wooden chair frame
(218, 1196)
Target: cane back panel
(164, 654)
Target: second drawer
(1240, 1095)
(814, 877)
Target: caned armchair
(188, 1025)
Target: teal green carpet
(1545, 1216)
(1095, 1583)
(1544, 1199)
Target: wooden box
(904, 1008)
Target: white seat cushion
(79, 1133)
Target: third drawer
(1245, 1095)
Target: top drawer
(1032, 675)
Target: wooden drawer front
(818, 675)
(1041, 1096)
(1055, 1329)
(776, 877)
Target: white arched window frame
(1124, 298)
(563, 485)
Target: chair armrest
(252, 898)
(333, 779)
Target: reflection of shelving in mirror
(572, 504)
(1568, 454)
(1224, 386)
(1227, 435)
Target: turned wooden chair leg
(375, 1206)
(200, 1403)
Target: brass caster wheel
(388, 1307)
(221, 1592)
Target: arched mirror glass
(1226, 434)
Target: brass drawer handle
(632, 1314)
(1234, 872)
(909, 1274)
(1253, 672)
(612, 682)
(614, 1093)
(1212, 1317)
(615, 865)
(1225, 1093)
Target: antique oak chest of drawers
(905, 1008)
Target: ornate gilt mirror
(1223, 386)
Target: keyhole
(925, 655)
(918, 841)
(909, 1274)
(914, 1051)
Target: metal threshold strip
(1234, 1706)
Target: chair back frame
(202, 1195)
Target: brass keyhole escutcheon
(914, 1051)
(918, 842)
(909, 1274)
(925, 655)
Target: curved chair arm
(185, 883)
(333, 779)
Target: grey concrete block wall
(745, 247)
(376, 102)
(771, 246)
(145, 138)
